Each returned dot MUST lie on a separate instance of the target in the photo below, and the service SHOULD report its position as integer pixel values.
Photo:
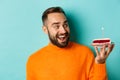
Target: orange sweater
(75, 62)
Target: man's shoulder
(77, 45)
(37, 53)
(81, 48)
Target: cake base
(101, 42)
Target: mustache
(66, 34)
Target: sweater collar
(52, 46)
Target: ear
(45, 29)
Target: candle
(102, 28)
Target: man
(62, 59)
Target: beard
(54, 39)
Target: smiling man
(62, 59)
(56, 26)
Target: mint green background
(21, 33)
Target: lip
(62, 39)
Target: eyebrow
(55, 23)
(65, 21)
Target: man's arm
(98, 70)
(29, 72)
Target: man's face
(58, 29)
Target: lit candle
(102, 31)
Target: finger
(96, 49)
(103, 50)
(110, 48)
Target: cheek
(53, 32)
(68, 30)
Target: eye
(65, 25)
(56, 26)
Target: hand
(104, 52)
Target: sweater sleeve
(100, 71)
(29, 71)
(96, 71)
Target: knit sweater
(74, 62)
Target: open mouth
(62, 38)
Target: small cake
(102, 41)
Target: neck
(56, 47)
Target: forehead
(56, 17)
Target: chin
(63, 44)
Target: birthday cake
(101, 41)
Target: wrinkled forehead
(56, 18)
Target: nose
(62, 30)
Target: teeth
(61, 36)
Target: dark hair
(51, 10)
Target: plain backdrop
(21, 31)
